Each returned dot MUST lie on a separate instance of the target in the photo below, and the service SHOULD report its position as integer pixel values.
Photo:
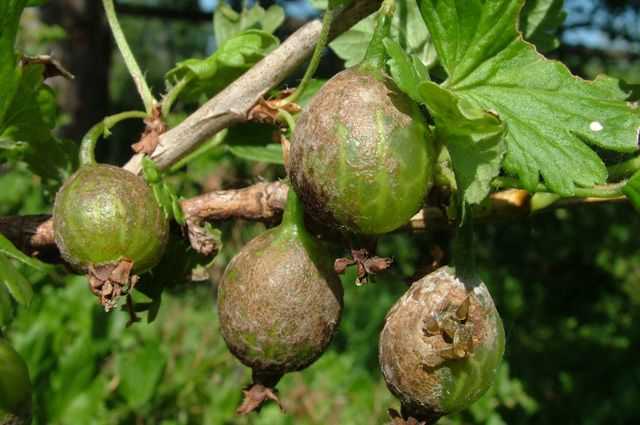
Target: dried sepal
(367, 265)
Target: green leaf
(7, 248)
(210, 75)
(631, 190)
(140, 373)
(10, 11)
(227, 23)
(473, 137)
(246, 49)
(28, 123)
(402, 69)
(17, 285)
(407, 27)
(550, 114)
(166, 198)
(271, 153)
(539, 20)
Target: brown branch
(232, 105)
(265, 202)
(262, 201)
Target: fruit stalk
(464, 258)
(88, 144)
(315, 58)
(376, 54)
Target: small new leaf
(210, 75)
(166, 198)
(227, 23)
(553, 117)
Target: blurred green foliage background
(567, 285)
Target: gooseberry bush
(447, 114)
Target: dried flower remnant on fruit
(367, 265)
(254, 396)
(397, 419)
(108, 281)
(453, 333)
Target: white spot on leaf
(596, 126)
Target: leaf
(539, 19)
(246, 49)
(473, 137)
(210, 75)
(17, 285)
(271, 153)
(140, 373)
(28, 123)
(402, 69)
(227, 23)
(7, 248)
(631, 190)
(550, 114)
(10, 11)
(407, 27)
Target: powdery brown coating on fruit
(361, 155)
(103, 214)
(279, 303)
(430, 392)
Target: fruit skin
(362, 155)
(15, 389)
(427, 393)
(103, 214)
(279, 300)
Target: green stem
(606, 192)
(127, 55)
(88, 144)
(376, 54)
(624, 169)
(315, 59)
(287, 117)
(293, 212)
(464, 258)
(174, 92)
